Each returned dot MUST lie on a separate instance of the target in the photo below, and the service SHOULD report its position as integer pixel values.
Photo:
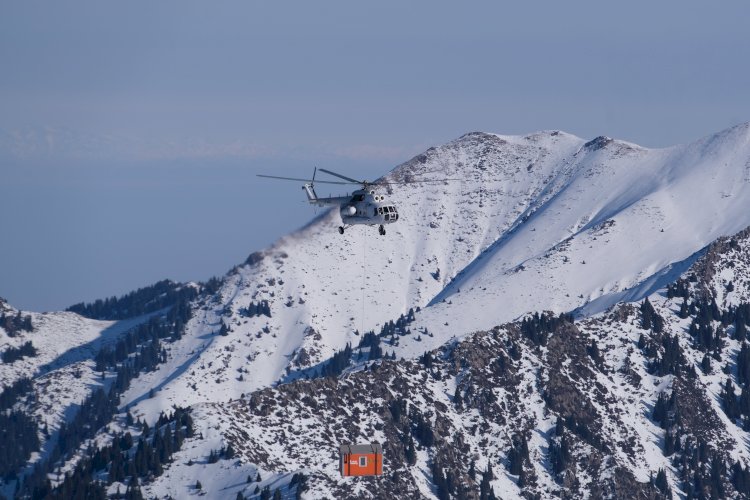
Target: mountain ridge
(593, 387)
(542, 222)
(427, 270)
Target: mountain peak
(598, 143)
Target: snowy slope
(599, 399)
(322, 287)
(546, 221)
(62, 372)
(63, 369)
(624, 216)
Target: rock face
(619, 405)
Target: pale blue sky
(131, 132)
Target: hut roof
(361, 448)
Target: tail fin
(310, 192)
(310, 188)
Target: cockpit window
(359, 197)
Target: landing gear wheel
(341, 229)
(381, 230)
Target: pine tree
(560, 454)
(518, 452)
(684, 309)
(718, 472)
(661, 483)
(646, 314)
(411, 452)
(593, 352)
(668, 444)
(741, 478)
(729, 400)
(650, 319)
(441, 482)
(485, 489)
(740, 331)
(423, 431)
(376, 352)
(457, 400)
(514, 462)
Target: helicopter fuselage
(368, 208)
(362, 207)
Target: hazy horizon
(130, 134)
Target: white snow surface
(300, 433)
(545, 221)
(63, 369)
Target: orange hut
(361, 459)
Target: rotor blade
(341, 176)
(302, 180)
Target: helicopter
(363, 206)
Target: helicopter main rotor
(349, 181)
(310, 181)
(364, 184)
(352, 181)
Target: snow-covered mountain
(597, 408)
(544, 222)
